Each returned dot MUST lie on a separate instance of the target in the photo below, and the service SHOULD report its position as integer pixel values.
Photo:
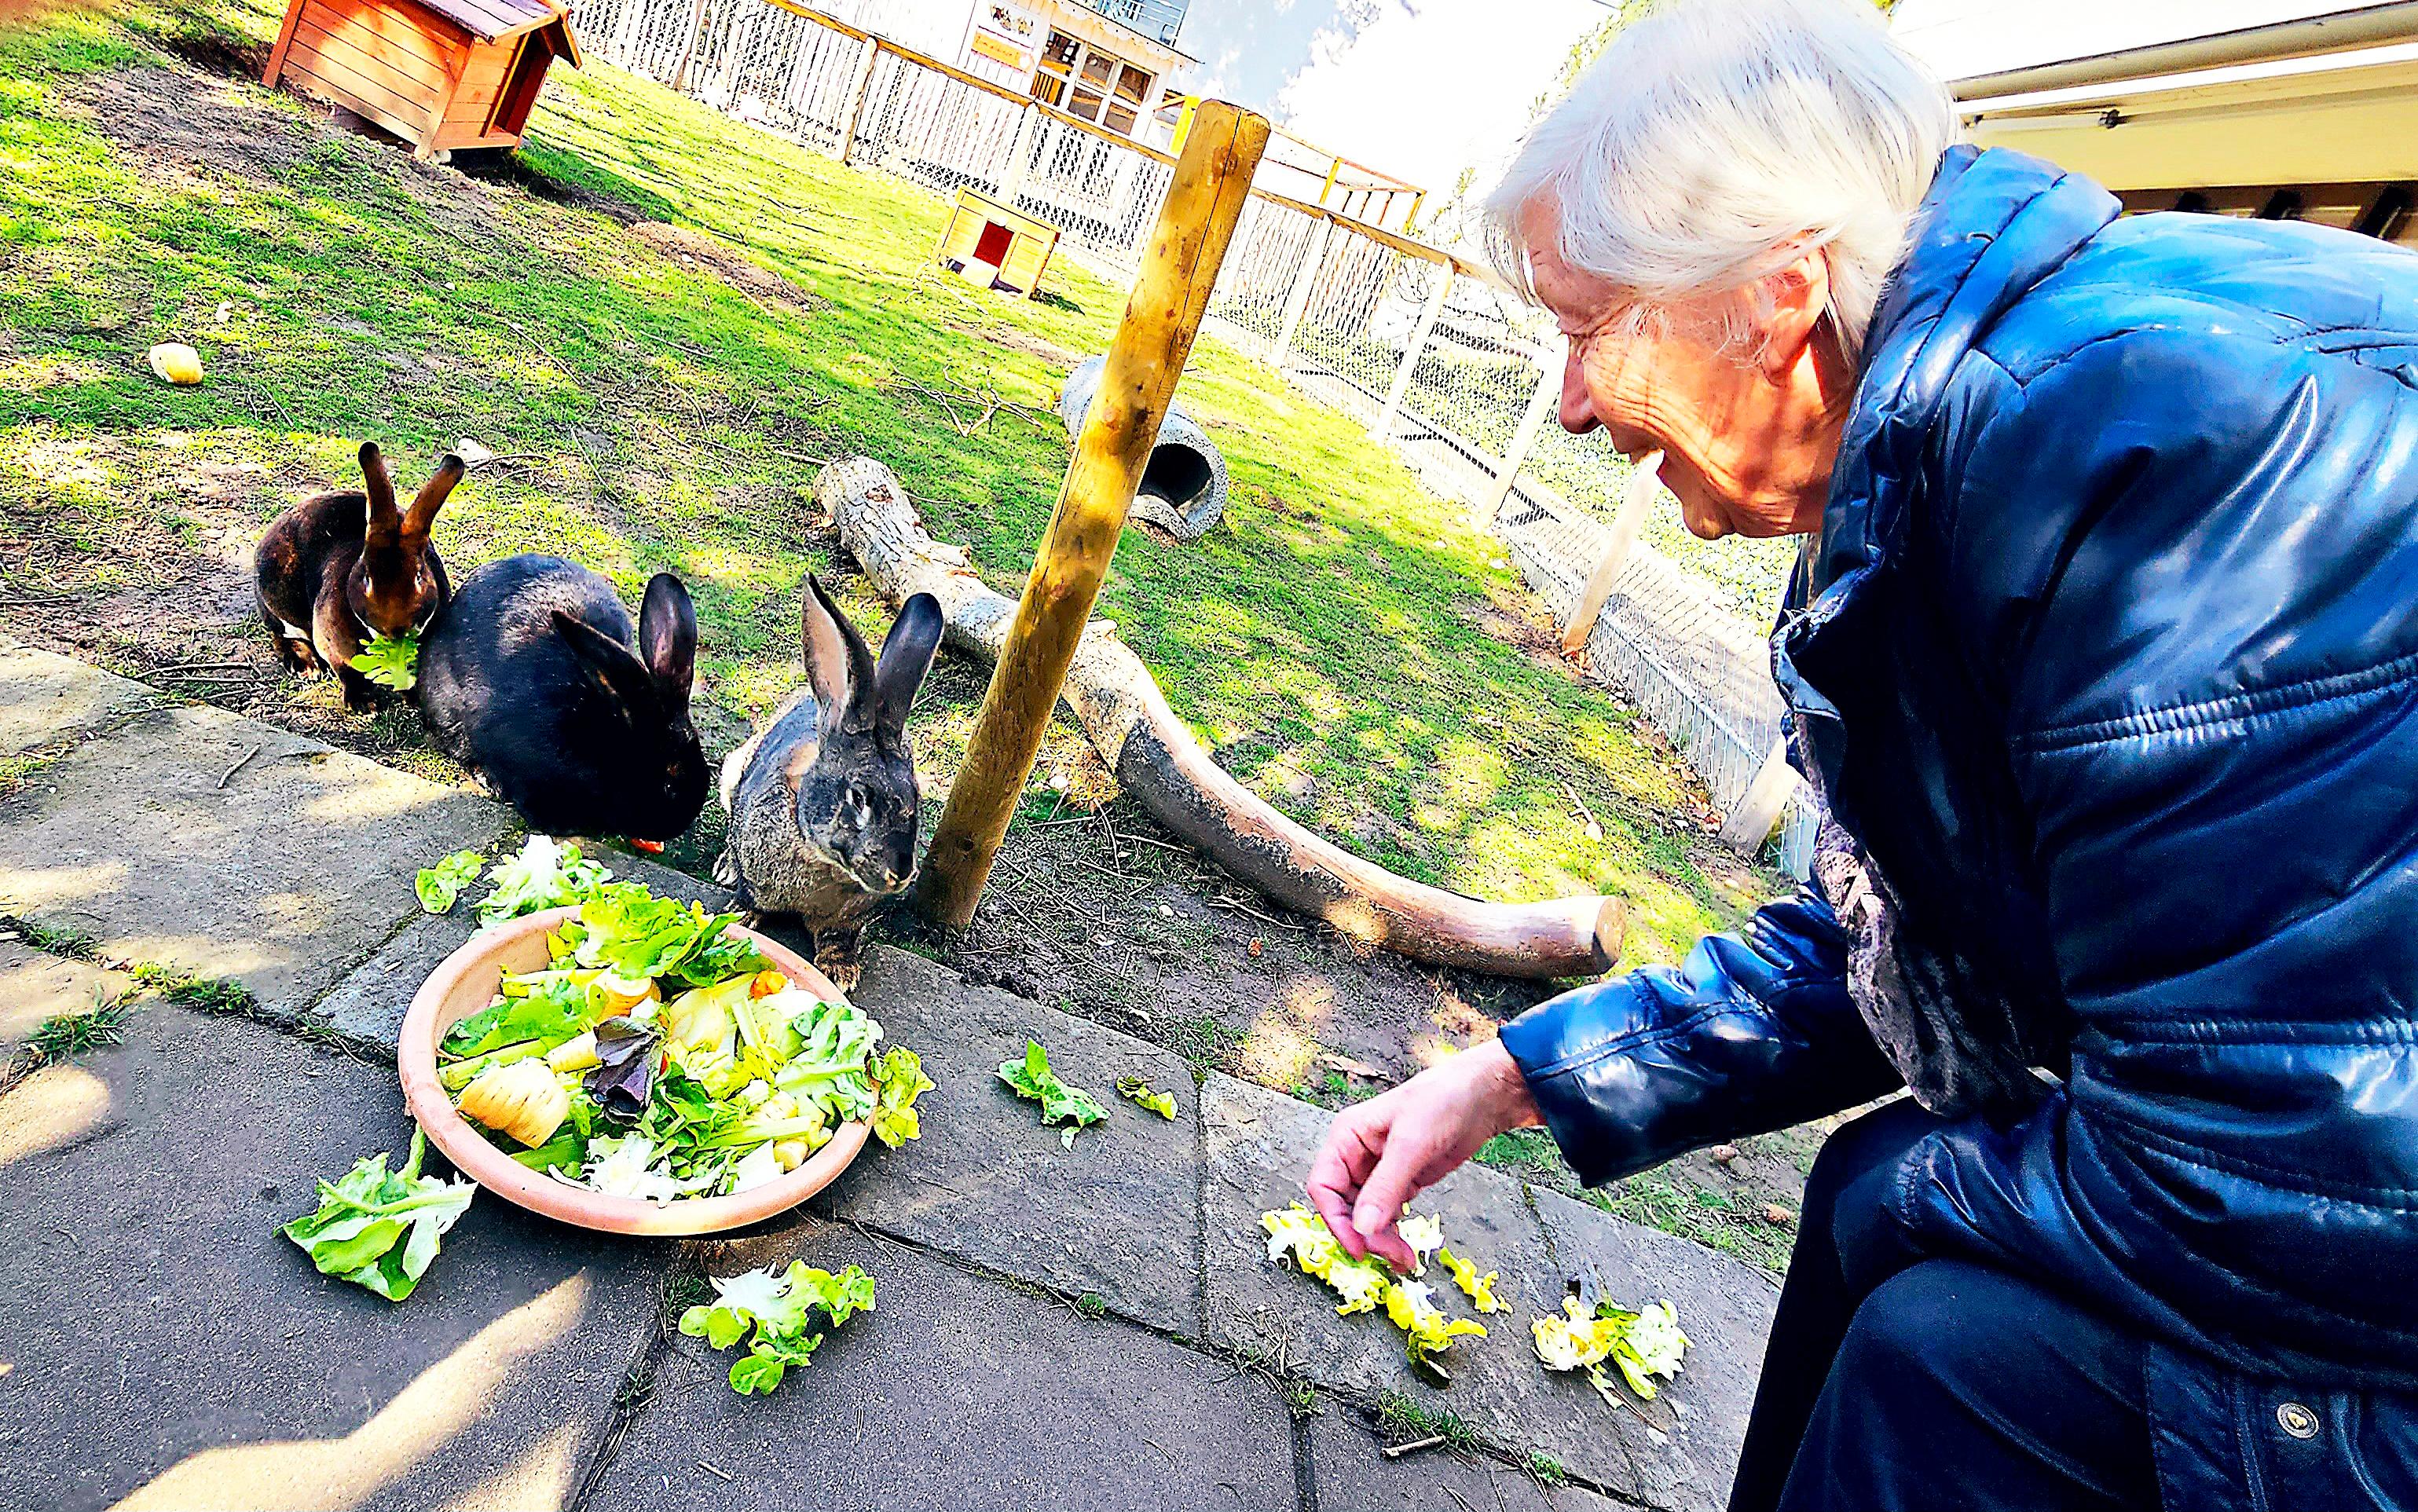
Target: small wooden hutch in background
(441, 74)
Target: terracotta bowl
(466, 982)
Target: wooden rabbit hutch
(984, 235)
(441, 74)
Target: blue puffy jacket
(2107, 656)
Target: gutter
(2369, 26)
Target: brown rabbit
(338, 568)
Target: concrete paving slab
(48, 701)
(1118, 1215)
(36, 985)
(1259, 1145)
(369, 1002)
(168, 1347)
(1725, 1308)
(1353, 1474)
(955, 1392)
(193, 837)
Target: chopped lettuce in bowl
(658, 1055)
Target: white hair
(1717, 142)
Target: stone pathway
(1095, 1327)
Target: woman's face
(1748, 435)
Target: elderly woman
(2103, 660)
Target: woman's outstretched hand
(1381, 1154)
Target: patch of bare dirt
(693, 249)
(1057, 357)
(214, 52)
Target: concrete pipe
(1183, 490)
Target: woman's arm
(1754, 1032)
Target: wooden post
(856, 92)
(1179, 269)
(1749, 824)
(735, 43)
(688, 49)
(1540, 404)
(1644, 483)
(1297, 301)
(1019, 156)
(1384, 429)
(625, 34)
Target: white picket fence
(1424, 348)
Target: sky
(1417, 88)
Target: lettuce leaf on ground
(1032, 1079)
(380, 1229)
(1480, 1289)
(898, 1079)
(543, 875)
(1302, 1236)
(773, 1314)
(440, 886)
(1643, 1344)
(1138, 1090)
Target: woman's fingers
(1383, 1196)
(1381, 1155)
(1354, 1144)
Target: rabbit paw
(361, 697)
(836, 956)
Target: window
(1091, 86)
(1058, 59)
(1125, 107)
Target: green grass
(1402, 1419)
(1529, 1151)
(74, 944)
(1329, 643)
(63, 1036)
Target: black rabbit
(529, 679)
(823, 800)
(338, 568)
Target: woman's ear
(1795, 299)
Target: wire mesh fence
(1440, 361)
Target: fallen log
(1156, 759)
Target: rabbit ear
(385, 521)
(432, 497)
(837, 662)
(668, 637)
(906, 656)
(614, 666)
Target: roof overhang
(2348, 116)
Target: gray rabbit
(824, 800)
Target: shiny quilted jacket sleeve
(1753, 1031)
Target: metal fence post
(1384, 429)
(856, 92)
(1297, 303)
(1540, 404)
